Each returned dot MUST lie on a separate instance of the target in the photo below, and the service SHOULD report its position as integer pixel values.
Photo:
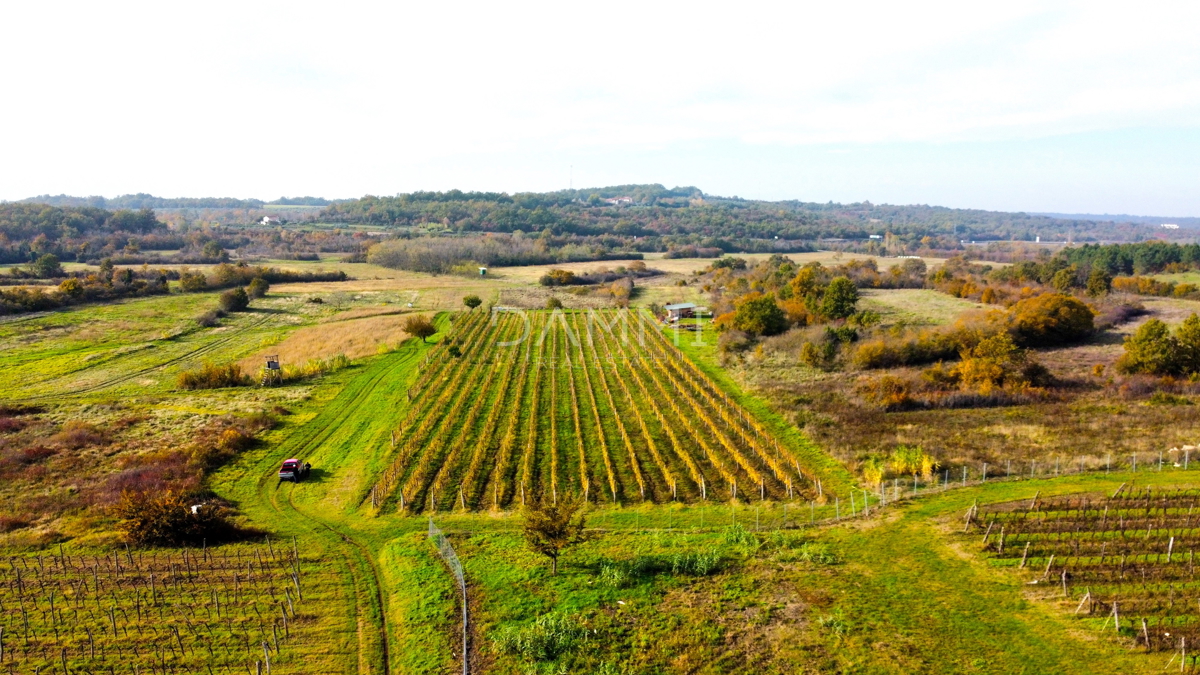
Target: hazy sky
(1077, 107)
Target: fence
(451, 558)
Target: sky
(1075, 107)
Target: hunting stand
(272, 374)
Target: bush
(209, 318)
(559, 278)
(167, 520)
(211, 376)
(546, 639)
(1050, 319)
(234, 300)
(193, 282)
(76, 435)
(258, 287)
(553, 303)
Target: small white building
(682, 310)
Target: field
(220, 610)
(648, 423)
(599, 405)
(1129, 557)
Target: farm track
(202, 350)
(348, 409)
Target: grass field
(916, 306)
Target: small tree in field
(552, 528)
(234, 300)
(419, 326)
(472, 301)
(258, 287)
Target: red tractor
(293, 470)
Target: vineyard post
(964, 476)
(1024, 555)
(1185, 458)
(1108, 464)
(1160, 460)
(1008, 474)
(1134, 461)
(1032, 468)
(985, 472)
(853, 510)
(946, 482)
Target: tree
(47, 267)
(759, 315)
(419, 326)
(234, 300)
(212, 249)
(1050, 319)
(1150, 350)
(1063, 279)
(1099, 282)
(552, 528)
(472, 301)
(1187, 339)
(840, 299)
(258, 287)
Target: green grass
(917, 306)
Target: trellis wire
(447, 552)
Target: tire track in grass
(199, 351)
(348, 410)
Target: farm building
(682, 310)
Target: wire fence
(451, 558)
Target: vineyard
(598, 405)
(1128, 558)
(233, 609)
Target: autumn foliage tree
(419, 326)
(551, 528)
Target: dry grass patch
(355, 338)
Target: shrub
(559, 278)
(553, 303)
(209, 319)
(76, 434)
(547, 638)
(234, 300)
(167, 519)
(258, 287)
(192, 282)
(10, 523)
(1050, 319)
(210, 376)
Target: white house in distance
(1169, 226)
(619, 201)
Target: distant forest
(145, 201)
(653, 210)
(605, 222)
